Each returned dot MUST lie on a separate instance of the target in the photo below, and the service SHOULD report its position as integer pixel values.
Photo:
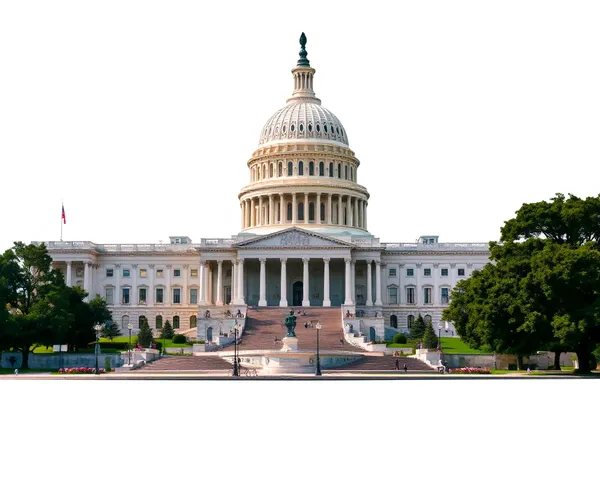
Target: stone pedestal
(290, 344)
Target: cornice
(289, 188)
(435, 254)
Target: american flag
(63, 215)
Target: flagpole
(61, 219)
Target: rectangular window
(444, 295)
(126, 295)
(142, 295)
(159, 273)
(193, 296)
(410, 272)
(177, 273)
(410, 295)
(392, 272)
(427, 295)
(176, 295)
(159, 295)
(461, 272)
(176, 322)
(126, 272)
(158, 322)
(110, 296)
(194, 272)
(427, 272)
(393, 296)
(109, 272)
(143, 272)
(444, 272)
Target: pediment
(294, 238)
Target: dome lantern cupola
(303, 78)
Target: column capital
(240, 261)
(168, 266)
(419, 265)
(283, 259)
(353, 261)
(347, 260)
(117, 265)
(89, 264)
(134, 265)
(453, 265)
(151, 266)
(219, 262)
(68, 262)
(262, 259)
(377, 261)
(305, 259)
(326, 259)
(401, 265)
(185, 266)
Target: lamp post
(318, 371)
(236, 372)
(129, 327)
(440, 336)
(97, 327)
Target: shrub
(468, 370)
(179, 338)
(107, 364)
(80, 370)
(418, 329)
(167, 331)
(115, 345)
(145, 335)
(399, 338)
(430, 339)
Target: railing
(473, 247)
(111, 247)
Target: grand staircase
(372, 363)
(188, 363)
(265, 328)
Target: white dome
(303, 120)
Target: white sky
(142, 115)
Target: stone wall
(501, 362)
(51, 361)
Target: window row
(143, 272)
(410, 297)
(327, 129)
(410, 320)
(158, 322)
(321, 169)
(159, 296)
(410, 272)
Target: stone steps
(265, 328)
(385, 363)
(188, 363)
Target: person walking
(397, 364)
(405, 368)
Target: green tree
(167, 331)
(145, 337)
(418, 329)
(430, 339)
(110, 330)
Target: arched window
(176, 321)
(270, 170)
(300, 211)
(193, 321)
(393, 321)
(321, 169)
(346, 172)
(427, 318)
(311, 168)
(290, 169)
(280, 170)
(300, 167)
(331, 169)
(311, 211)
(264, 172)
(339, 169)
(124, 322)
(289, 212)
(141, 320)
(257, 173)
(351, 174)
(410, 320)
(322, 212)
(159, 324)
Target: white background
(142, 115)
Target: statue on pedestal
(290, 324)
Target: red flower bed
(469, 370)
(79, 370)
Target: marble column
(329, 214)
(150, 294)
(202, 292)
(185, 296)
(219, 282)
(318, 209)
(355, 211)
(134, 295)
(168, 294)
(283, 288)
(234, 295)
(241, 296)
(243, 214)
(306, 298)
(70, 274)
(209, 285)
(86, 279)
(340, 210)
(252, 213)
(348, 299)
(294, 209)
(118, 295)
(369, 285)
(326, 299)
(353, 281)
(261, 219)
(378, 302)
(349, 211)
(365, 221)
(281, 210)
(248, 214)
(306, 209)
(262, 299)
(271, 210)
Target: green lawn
(456, 345)
(399, 345)
(11, 371)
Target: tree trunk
(583, 361)
(556, 360)
(25, 352)
(519, 362)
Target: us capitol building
(304, 241)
